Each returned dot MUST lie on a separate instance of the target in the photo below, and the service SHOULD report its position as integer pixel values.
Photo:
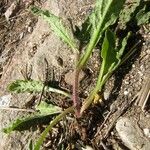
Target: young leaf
(21, 86)
(135, 12)
(111, 59)
(46, 108)
(122, 46)
(128, 13)
(105, 14)
(25, 123)
(143, 16)
(50, 126)
(57, 26)
(108, 54)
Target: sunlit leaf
(50, 126)
(105, 14)
(143, 16)
(111, 59)
(46, 108)
(25, 123)
(108, 53)
(128, 13)
(21, 86)
(57, 26)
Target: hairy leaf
(50, 126)
(57, 26)
(25, 123)
(128, 13)
(21, 86)
(105, 14)
(136, 11)
(46, 108)
(143, 16)
(111, 59)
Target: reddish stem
(75, 95)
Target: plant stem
(50, 126)
(98, 88)
(83, 60)
(75, 95)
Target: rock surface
(31, 52)
(132, 135)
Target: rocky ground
(120, 122)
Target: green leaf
(21, 86)
(143, 16)
(135, 12)
(108, 54)
(111, 59)
(50, 126)
(46, 108)
(122, 46)
(105, 14)
(25, 123)
(111, 56)
(128, 13)
(57, 26)
(30, 145)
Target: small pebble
(125, 92)
(147, 132)
(5, 100)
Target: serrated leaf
(143, 16)
(50, 126)
(21, 86)
(105, 14)
(25, 123)
(135, 12)
(56, 25)
(46, 108)
(128, 13)
(111, 59)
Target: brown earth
(26, 41)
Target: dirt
(27, 41)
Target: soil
(27, 41)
